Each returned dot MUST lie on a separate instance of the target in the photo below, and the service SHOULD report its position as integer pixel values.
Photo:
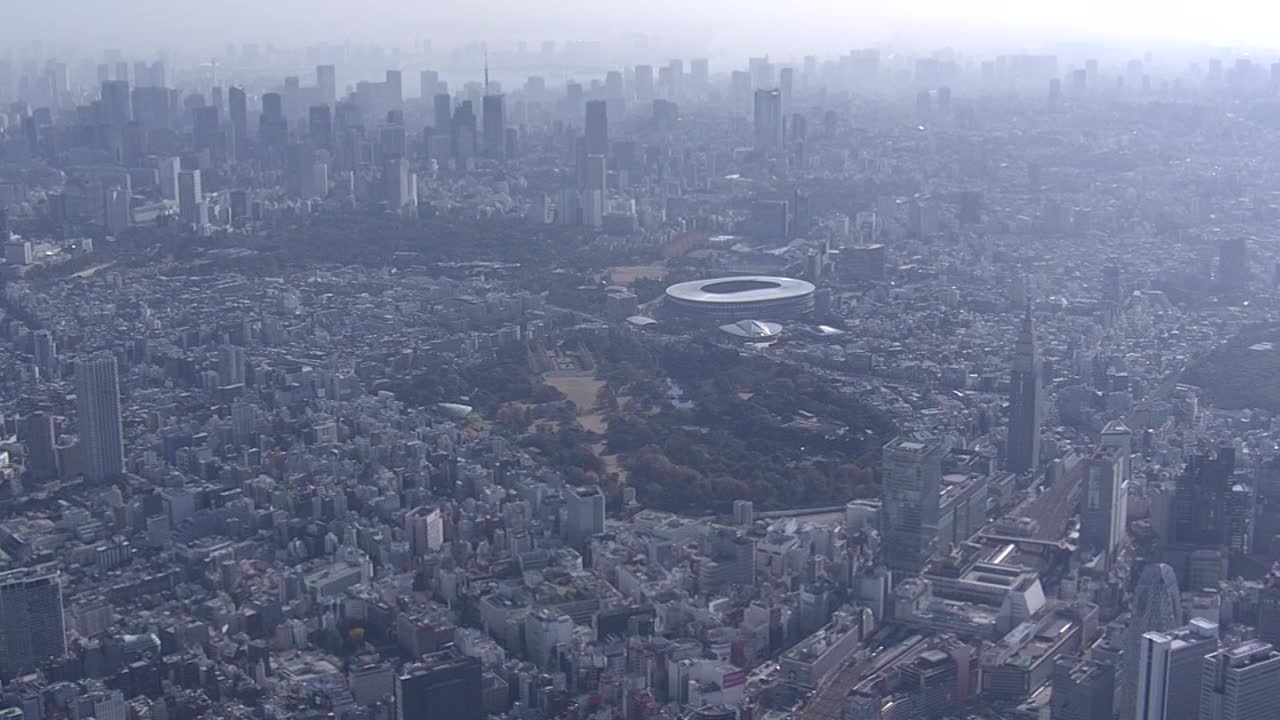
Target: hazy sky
(779, 26)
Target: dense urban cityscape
(562, 380)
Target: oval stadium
(752, 297)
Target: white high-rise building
(425, 527)
(231, 366)
(1169, 670)
(584, 513)
(98, 415)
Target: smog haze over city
(717, 360)
(739, 26)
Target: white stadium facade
(751, 297)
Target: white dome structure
(757, 330)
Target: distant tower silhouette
(493, 118)
(768, 120)
(1023, 452)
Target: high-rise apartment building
(45, 352)
(584, 513)
(442, 113)
(394, 90)
(494, 126)
(398, 185)
(613, 86)
(327, 82)
(1241, 511)
(98, 416)
(40, 434)
(151, 107)
(597, 128)
(31, 621)
(190, 196)
(231, 366)
(912, 472)
(463, 133)
(674, 84)
(238, 111)
(428, 84)
(244, 421)
(320, 126)
(595, 189)
(168, 168)
(273, 126)
(786, 86)
(700, 73)
(207, 132)
(726, 559)
(425, 527)
(117, 103)
(768, 120)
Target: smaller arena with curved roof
(752, 297)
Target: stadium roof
(753, 329)
(748, 289)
